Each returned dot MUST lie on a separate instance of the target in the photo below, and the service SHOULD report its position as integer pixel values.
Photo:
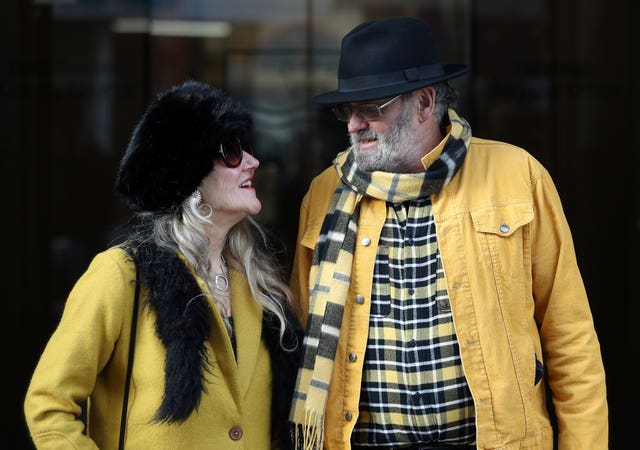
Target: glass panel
(110, 57)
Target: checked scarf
(330, 272)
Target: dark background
(554, 77)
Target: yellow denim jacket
(517, 297)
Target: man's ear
(426, 103)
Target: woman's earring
(197, 198)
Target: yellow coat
(516, 295)
(87, 354)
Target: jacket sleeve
(571, 349)
(76, 352)
(301, 265)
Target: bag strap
(132, 344)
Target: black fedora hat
(387, 57)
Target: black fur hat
(174, 145)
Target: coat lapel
(247, 320)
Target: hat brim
(373, 93)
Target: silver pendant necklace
(221, 279)
(221, 282)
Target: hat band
(389, 79)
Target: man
(436, 274)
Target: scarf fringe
(308, 435)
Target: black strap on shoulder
(132, 344)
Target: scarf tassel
(308, 435)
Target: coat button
(365, 241)
(235, 433)
(348, 416)
(359, 299)
(504, 228)
(353, 357)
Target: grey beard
(371, 161)
(392, 155)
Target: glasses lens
(231, 153)
(342, 112)
(369, 111)
(366, 111)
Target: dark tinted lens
(231, 153)
(342, 112)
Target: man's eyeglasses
(231, 152)
(366, 111)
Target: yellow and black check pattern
(413, 389)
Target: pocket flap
(502, 220)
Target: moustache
(365, 134)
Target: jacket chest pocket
(503, 236)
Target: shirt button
(359, 299)
(353, 357)
(348, 416)
(411, 291)
(409, 241)
(365, 241)
(412, 343)
(235, 433)
(504, 228)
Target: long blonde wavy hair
(247, 246)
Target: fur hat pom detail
(175, 143)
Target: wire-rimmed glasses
(366, 111)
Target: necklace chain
(220, 283)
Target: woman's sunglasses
(231, 152)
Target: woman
(215, 345)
